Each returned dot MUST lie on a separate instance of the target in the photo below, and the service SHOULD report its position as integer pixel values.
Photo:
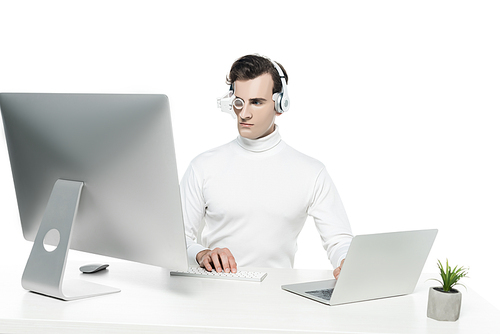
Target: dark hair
(252, 66)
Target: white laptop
(376, 266)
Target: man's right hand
(219, 259)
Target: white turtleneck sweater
(254, 197)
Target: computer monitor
(95, 173)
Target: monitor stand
(44, 271)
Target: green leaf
(450, 277)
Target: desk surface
(151, 301)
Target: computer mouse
(93, 268)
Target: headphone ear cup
(277, 102)
(281, 102)
(284, 103)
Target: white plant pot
(444, 306)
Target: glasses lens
(238, 103)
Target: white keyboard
(254, 276)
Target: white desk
(153, 302)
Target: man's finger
(206, 262)
(225, 262)
(215, 260)
(231, 261)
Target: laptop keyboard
(323, 294)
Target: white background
(399, 99)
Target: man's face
(256, 118)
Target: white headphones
(281, 99)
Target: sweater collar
(261, 144)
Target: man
(255, 193)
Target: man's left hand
(336, 272)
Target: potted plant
(444, 302)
